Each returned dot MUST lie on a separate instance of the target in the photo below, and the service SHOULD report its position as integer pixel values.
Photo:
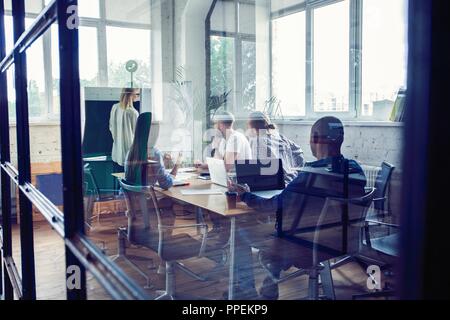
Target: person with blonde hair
(267, 143)
(122, 124)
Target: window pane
(384, 61)
(331, 58)
(222, 67)
(248, 75)
(121, 50)
(277, 5)
(37, 98)
(88, 56)
(88, 8)
(31, 6)
(223, 17)
(247, 18)
(288, 63)
(9, 34)
(134, 11)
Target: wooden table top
(216, 203)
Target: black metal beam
(6, 246)
(79, 250)
(425, 217)
(71, 138)
(23, 151)
(109, 275)
(14, 277)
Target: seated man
(228, 144)
(327, 136)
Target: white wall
(369, 144)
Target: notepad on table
(195, 192)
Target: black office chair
(147, 227)
(387, 249)
(384, 245)
(97, 194)
(376, 212)
(381, 186)
(312, 249)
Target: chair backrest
(331, 236)
(302, 205)
(144, 219)
(90, 179)
(382, 184)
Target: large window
(288, 66)
(384, 67)
(331, 57)
(120, 50)
(222, 66)
(339, 57)
(232, 69)
(101, 30)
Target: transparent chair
(151, 228)
(310, 248)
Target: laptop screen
(261, 175)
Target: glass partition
(171, 136)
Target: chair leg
(121, 254)
(170, 283)
(313, 289)
(169, 293)
(276, 280)
(189, 272)
(341, 262)
(379, 294)
(326, 279)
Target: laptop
(265, 178)
(217, 171)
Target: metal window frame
(355, 56)
(100, 23)
(237, 58)
(79, 249)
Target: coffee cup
(231, 200)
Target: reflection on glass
(88, 8)
(331, 57)
(37, 98)
(384, 57)
(222, 66)
(45, 140)
(88, 61)
(121, 50)
(248, 75)
(288, 63)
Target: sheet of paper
(195, 192)
(187, 170)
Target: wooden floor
(50, 266)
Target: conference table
(215, 204)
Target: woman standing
(122, 124)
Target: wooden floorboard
(50, 265)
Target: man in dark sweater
(327, 137)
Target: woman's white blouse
(122, 123)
